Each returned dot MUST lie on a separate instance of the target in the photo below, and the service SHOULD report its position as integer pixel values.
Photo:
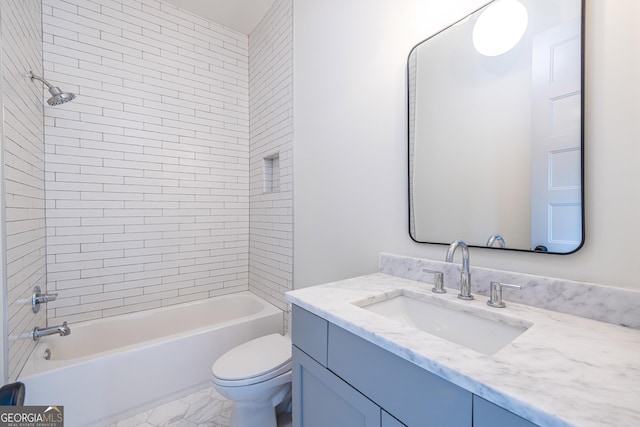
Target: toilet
(256, 377)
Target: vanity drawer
(409, 393)
(309, 334)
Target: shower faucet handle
(438, 281)
(40, 298)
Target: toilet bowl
(256, 377)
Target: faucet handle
(438, 281)
(39, 298)
(495, 297)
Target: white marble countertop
(563, 371)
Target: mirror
(496, 138)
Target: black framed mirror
(496, 127)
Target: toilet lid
(254, 361)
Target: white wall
(147, 171)
(271, 134)
(23, 155)
(350, 195)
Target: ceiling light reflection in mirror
(500, 27)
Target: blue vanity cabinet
(321, 399)
(309, 333)
(486, 414)
(339, 379)
(389, 421)
(342, 380)
(411, 394)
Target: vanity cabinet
(486, 414)
(389, 421)
(323, 399)
(342, 380)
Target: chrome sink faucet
(496, 238)
(465, 276)
(63, 330)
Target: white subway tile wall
(23, 142)
(271, 131)
(147, 171)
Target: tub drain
(47, 354)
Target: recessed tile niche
(271, 167)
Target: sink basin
(478, 330)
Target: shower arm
(34, 77)
(57, 95)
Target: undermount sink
(451, 321)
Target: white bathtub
(108, 369)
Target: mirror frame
(582, 139)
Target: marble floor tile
(204, 408)
(138, 420)
(168, 414)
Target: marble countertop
(563, 371)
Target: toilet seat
(253, 362)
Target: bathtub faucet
(63, 330)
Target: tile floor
(204, 408)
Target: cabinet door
(321, 399)
(413, 395)
(486, 414)
(389, 421)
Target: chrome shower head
(57, 96)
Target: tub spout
(63, 330)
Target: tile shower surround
(23, 156)
(149, 181)
(271, 134)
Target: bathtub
(110, 369)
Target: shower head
(57, 96)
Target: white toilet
(256, 376)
